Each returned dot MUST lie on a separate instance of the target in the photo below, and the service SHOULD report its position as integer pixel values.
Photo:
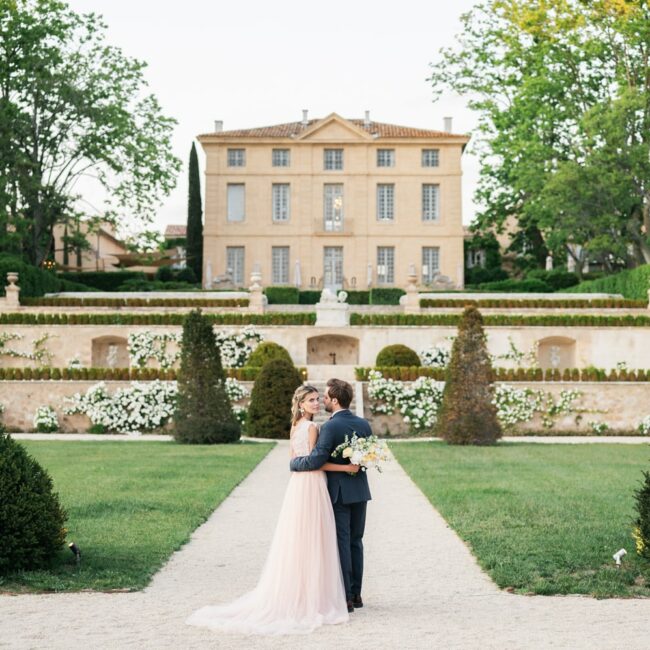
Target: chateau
(333, 202)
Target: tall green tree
(562, 92)
(194, 243)
(72, 106)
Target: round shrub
(269, 414)
(397, 355)
(265, 352)
(31, 518)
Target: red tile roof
(175, 231)
(381, 129)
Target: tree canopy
(73, 106)
(562, 91)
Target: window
(236, 202)
(385, 157)
(236, 157)
(281, 158)
(430, 200)
(333, 206)
(385, 202)
(235, 264)
(385, 265)
(430, 157)
(430, 263)
(280, 264)
(281, 201)
(333, 159)
(333, 267)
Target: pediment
(334, 128)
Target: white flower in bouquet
(369, 452)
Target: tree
(72, 106)
(269, 414)
(642, 523)
(561, 88)
(467, 415)
(194, 245)
(204, 414)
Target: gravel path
(423, 589)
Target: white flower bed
(644, 426)
(142, 406)
(435, 356)
(45, 420)
(236, 348)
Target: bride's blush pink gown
(301, 585)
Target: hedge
(386, 295)
(311, 297)
(411, 373)
(491, 320)
(532, 303)
(516, 286)
(134, 302)
(103, 280)
(116, 374)
(32, 280)
(278, 318)
(633, 284)
(282, 295)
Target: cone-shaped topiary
(31, 517)
(266, 351)
(397, 355)
(204, 414)
(641, 532)
(269, 414)
(467, 415)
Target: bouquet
(368, 452)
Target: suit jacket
(352, 489)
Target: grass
(540, 519)
(130, 506)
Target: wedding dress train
(301, 585)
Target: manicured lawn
(540, 518)
(131, 505)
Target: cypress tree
(467, 415)
(194, 242)
(204, 414)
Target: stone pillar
(257, 299)
(411, 301)
(12, 299)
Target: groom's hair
(341, 391)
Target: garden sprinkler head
(75, 550)
(618, 556)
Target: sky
(259, 62)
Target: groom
(349, 493)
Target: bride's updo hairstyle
(298, 398)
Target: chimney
(366, 121)
(447, 127)
(305, 119)
(218, 126)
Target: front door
(333, 268)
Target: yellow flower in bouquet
(369, 452)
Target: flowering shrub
(644, 426)
(519, 358)
(435, 356)
(142, 406)
(45, 420)
(39, 353)
(236, 348)
(75, 363)
(598, 428)
(237, 392)
(147, 345)
(417, 402)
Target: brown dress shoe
(356, 601)
(350, 607)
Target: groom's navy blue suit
(349, 494)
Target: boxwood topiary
(269, 414)
(397, 355)
(265, 352)
(31, 517)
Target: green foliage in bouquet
(31, 517)
(397, 355)
(641, 531)
(467, 415)
(270, 407)
(265, 352)
(204, 414)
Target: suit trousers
(350, 524)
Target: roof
(293, 129)
(175, 230)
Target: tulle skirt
(301, 585)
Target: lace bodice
(300, 439)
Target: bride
(301, 585)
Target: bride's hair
(298, 397)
